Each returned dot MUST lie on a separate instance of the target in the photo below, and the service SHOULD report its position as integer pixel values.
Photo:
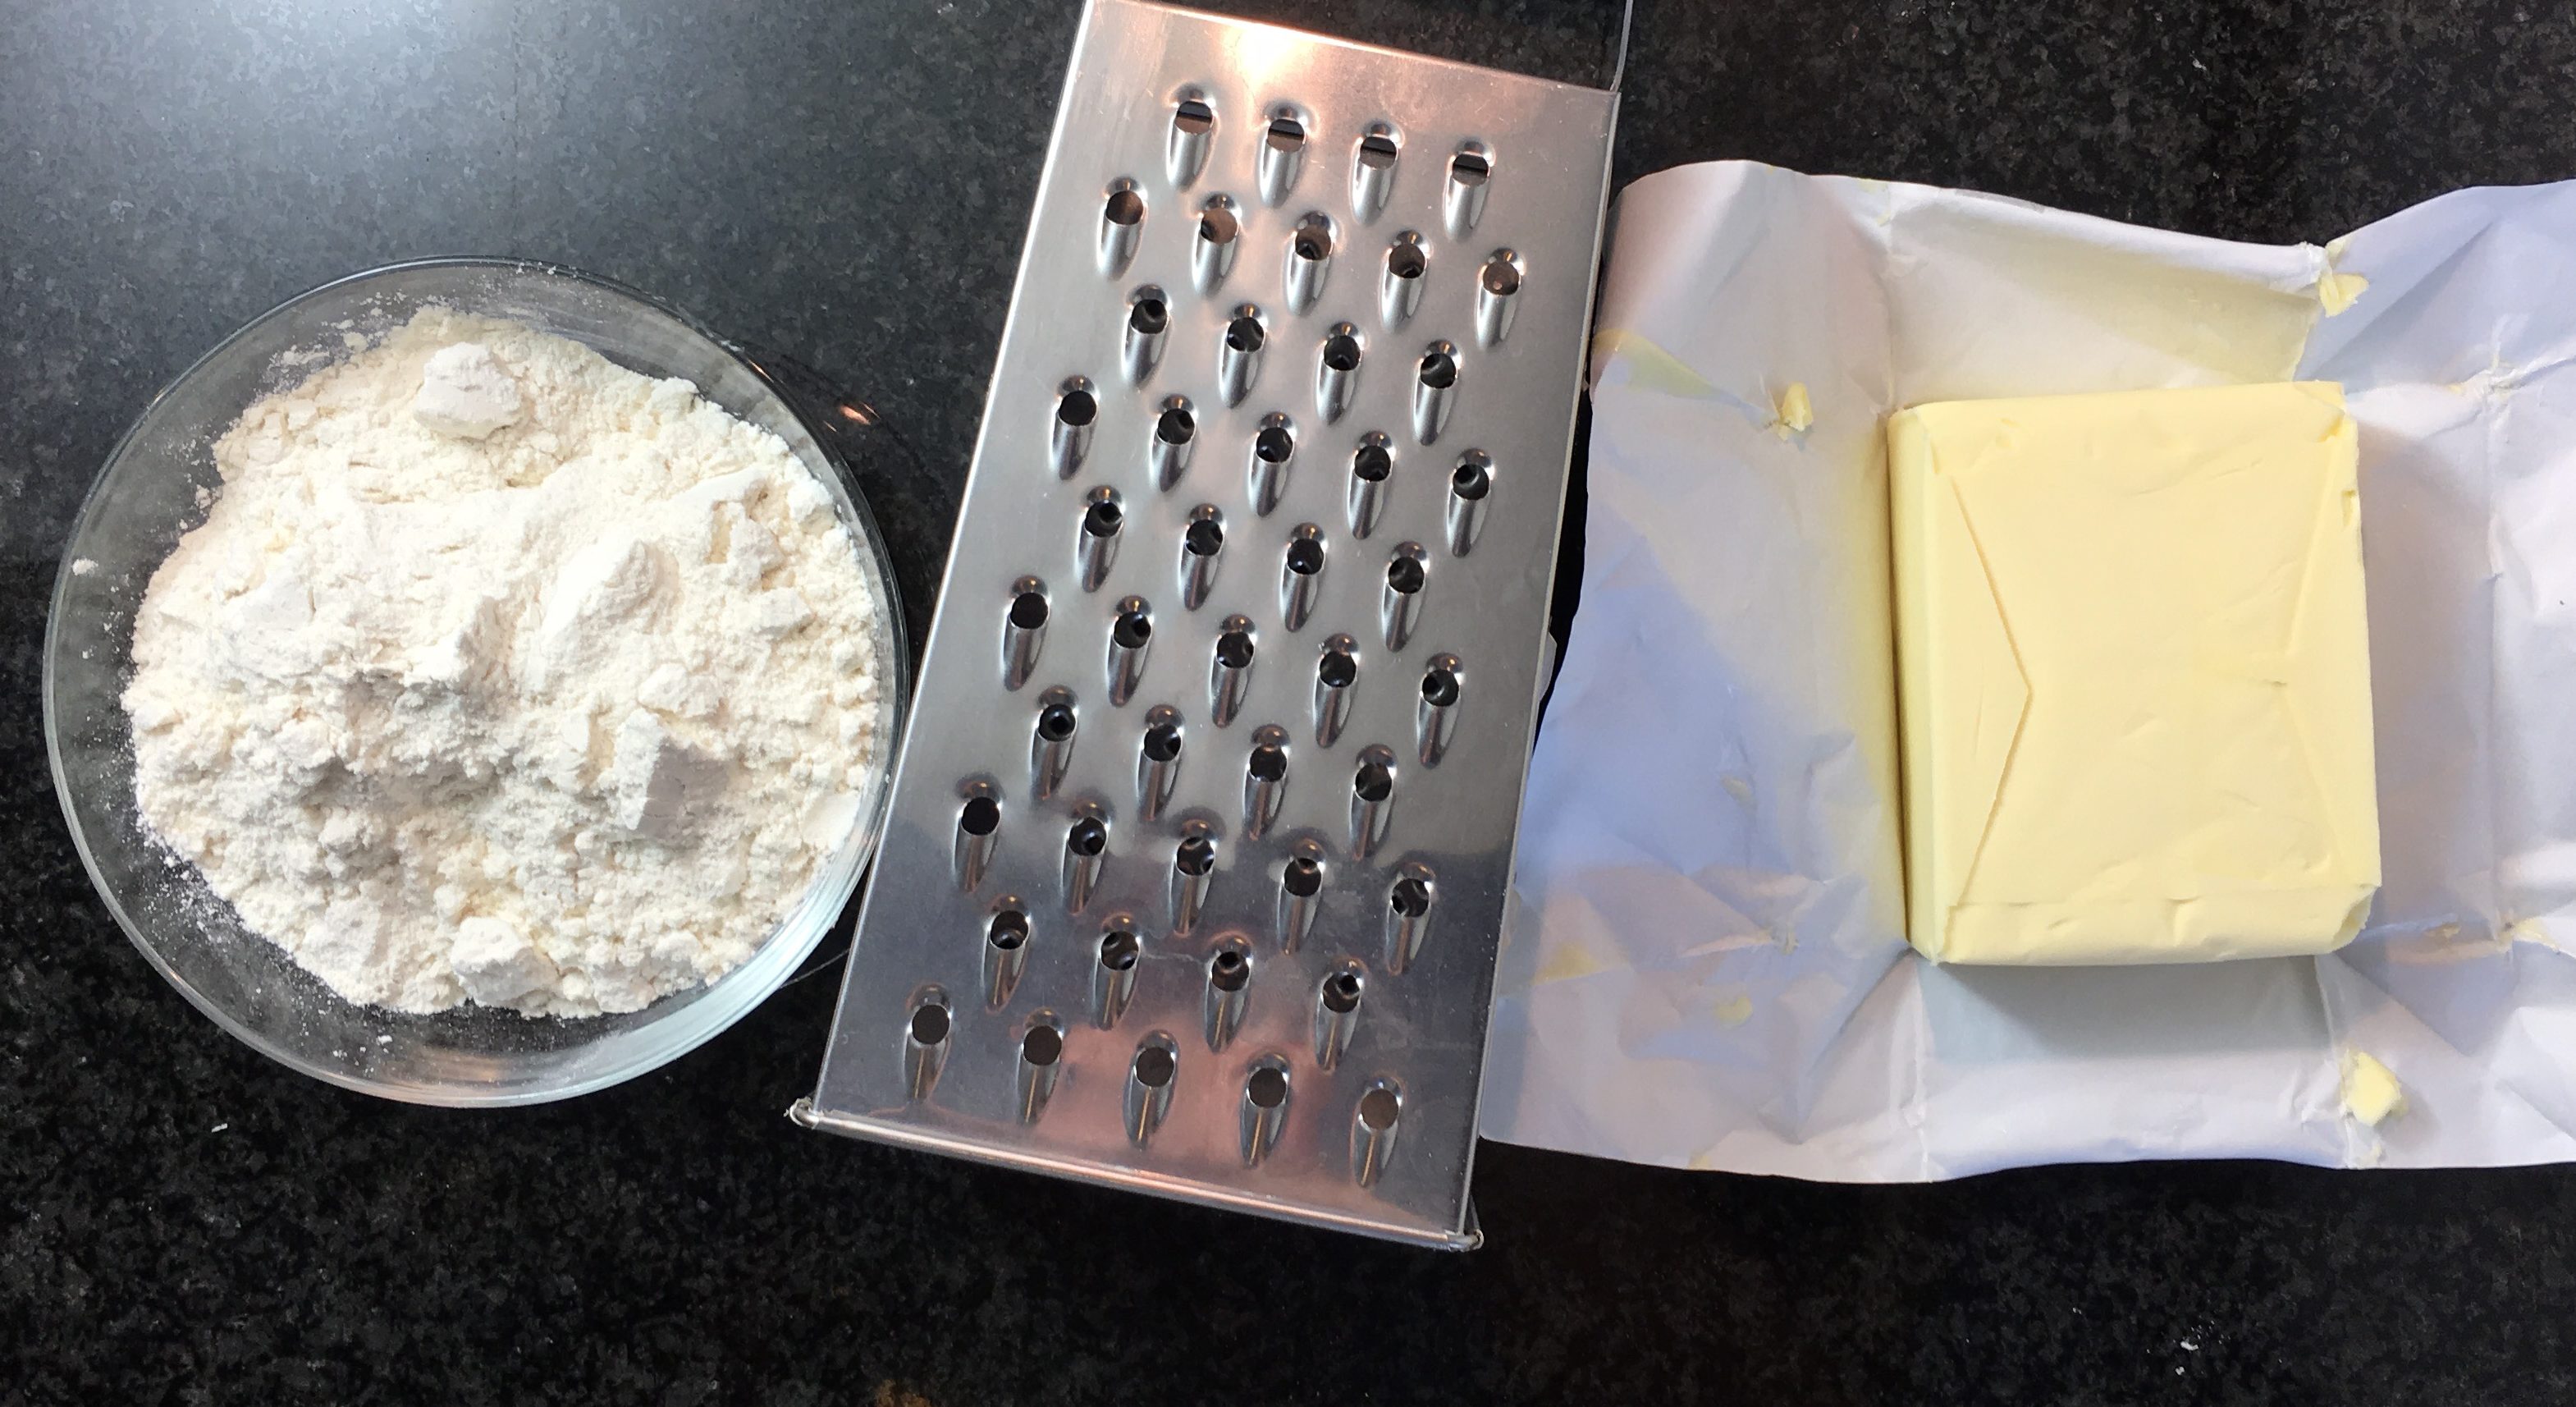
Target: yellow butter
(2371, 1092)
(2134, 677)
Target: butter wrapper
(1707, 966)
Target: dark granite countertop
(182, 1221)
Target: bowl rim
(894, 683)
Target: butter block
(2134, 676)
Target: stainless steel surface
(1326, 305)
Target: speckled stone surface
(181, 1221)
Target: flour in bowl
(500, 673)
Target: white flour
(535, 682)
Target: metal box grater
(1203, 828)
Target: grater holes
(1194, 856)
(1434, 391)
(1342, 350)
(1264, 1109)
(1131, 630)
(1274, 444)
(1310, 255)
(1122, 216)
(1095, 545)
(1176, 426)
(1498, 286)
(978, 818)
(1212, 252)
(1229, 670)
(1462, 199)
(1409, 897)
(1149, 319)
(1086, 837)
(1084, 842)
(1148, 1096)
(1373, 170)
(1313, 240)
(1341, 992)
(1300, 880)
(1282, 155)
(1337, 669)
(1043, 1045)
(929, 1024)
(1244, 332)
(1378, 1109)
(1401, 604)
(1372, 799)
(1008, 932)
(1301, 567)
(1201, 541)
(1265, 774)
(1400, 287)
(1051, 740)
(1158, 755)
(1267, 1088)
(1469, 484)
(1069, 438)
(1029, 610)
(1268, 763)
(1365, 499)
(1185, 146)
(1439, 715)
(1119, 950)
(1229, 970)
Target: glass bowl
(147, 496)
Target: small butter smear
(1650, 368)
(2371, 1092)
(1796, 412)
(2340, 291)
(1566, 962)
(82, 566)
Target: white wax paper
(1707, 966)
